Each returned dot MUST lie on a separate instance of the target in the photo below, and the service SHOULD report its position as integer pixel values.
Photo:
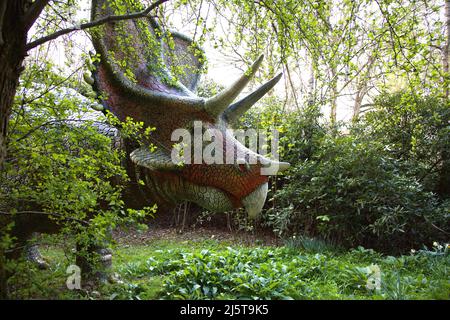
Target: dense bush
(380, 183)
(416, 131)
(353, 193)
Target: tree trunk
(444, 181)
(334, 96)
(362, 87)
(10, 64)
(292, 86)
(3, 276)
(13, 36)
(311, 86)
(12, 53)
(361, 92)
(446, 49)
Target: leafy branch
(53, 214)
(84, 26)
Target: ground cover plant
(211, 269)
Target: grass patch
(211, 269)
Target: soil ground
(157, 232)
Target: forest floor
(155, 233)
(162, 263)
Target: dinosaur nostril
(243, 165)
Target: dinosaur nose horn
(272, 167)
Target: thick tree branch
(33, 12)
(136, 15)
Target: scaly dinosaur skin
(152, 95)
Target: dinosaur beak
(254, 202)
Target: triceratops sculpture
(134, 80)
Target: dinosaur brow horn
(236, 110)
(217, 104)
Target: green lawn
(211, 269)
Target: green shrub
(61, 174)
(382, 183)
(353, 192)
(416, 131)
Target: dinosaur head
(134, 79)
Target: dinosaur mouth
(173, 189)
(216, 200)
(207, 197)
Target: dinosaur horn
(273, 167)
(217, 104)
(236, 110)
